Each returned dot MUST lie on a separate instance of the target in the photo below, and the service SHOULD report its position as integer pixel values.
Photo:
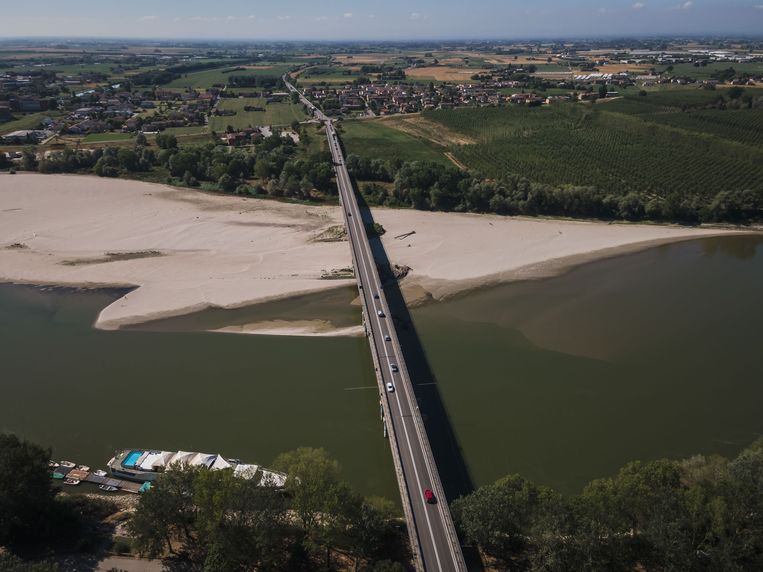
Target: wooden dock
(90, 477)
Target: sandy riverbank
(184, 250)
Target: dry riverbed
(183, 250)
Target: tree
(165, 511)
(227, 183)
(29, 159)
(319, 499)
(26, 495)
(128, 159)
(603, 90)
(500, 516)
(166, 141)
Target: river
(562, 380)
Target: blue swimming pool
(132, 458)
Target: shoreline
(177, 251)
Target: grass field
(217, 76)
(106, 137)
(274, 114)
(376, 140)
(28, 121)
(615, 151)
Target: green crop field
(106, 137)
(28, 121)
(219, 76)
(375, 140)
(274, 114)
(617, 152)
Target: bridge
(433, 538)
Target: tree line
(274, 166)
(427, 185)
(204, 520)
(698, 514)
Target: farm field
(106, 137)
(273, 114)
(219, 76)
(617, 152)
(376, 140)
(28, 121)
(707, 71)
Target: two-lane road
(433, 537)
(437, 543)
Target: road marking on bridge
(369, 267)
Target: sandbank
(183, 250)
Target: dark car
(429, 497)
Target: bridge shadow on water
(454, 472)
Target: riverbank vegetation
(215, 521)
(685, 156)
(696, 514)
(198, 519)
(274, 166)
(37, 522)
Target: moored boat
(100, 473)
(72, 482)
(67, 464)
(145, 465)
(108, 488)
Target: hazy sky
(380, 19)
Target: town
(80, 100)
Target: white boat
(52, 464)
(145, 465)
(67, 464)
(72, 482)
(100, 473)
(84, 468)
(108, 488)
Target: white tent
(201, 459)
(245, 471)
(272, 479)
(220, 463)
(151, 461)
(181, 457)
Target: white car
(393, 368)
(380, 313)
(390, 388)
(387, 339)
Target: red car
(429, 497)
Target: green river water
(658, 353)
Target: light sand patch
(453, 253)
(371, 58)
(217, 250)
(621, 68)
(441, 73)
(228, 252)
(293, 328)
(419, 126)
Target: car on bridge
(393, 368)
(390, 387)
(387, 339)
(380, 313)
(429, 496)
